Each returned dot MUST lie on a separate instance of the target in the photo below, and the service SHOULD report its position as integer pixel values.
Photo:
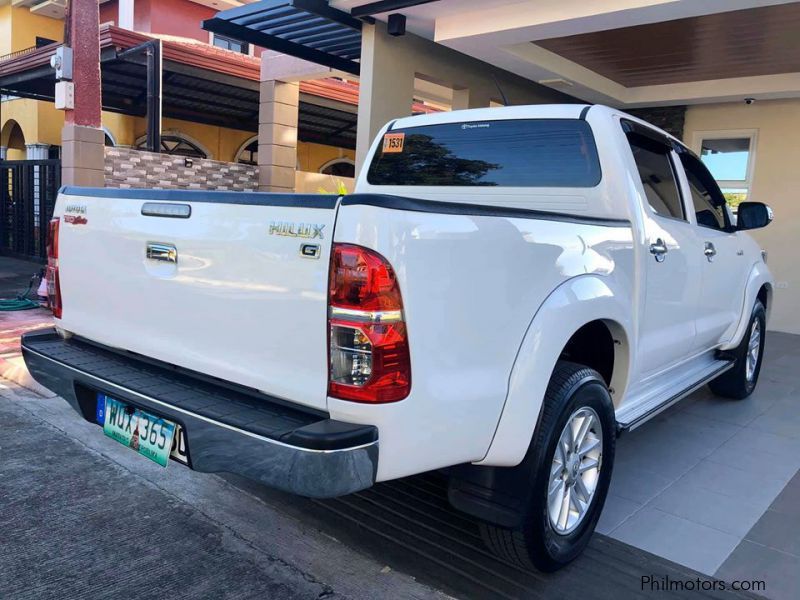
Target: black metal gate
(28, 190)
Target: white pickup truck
(508, 290)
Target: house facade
(31, 128)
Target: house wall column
(277, 132)
(81, 138)
(3, 152)
(386, 89)
(466, 98)
(36, 151)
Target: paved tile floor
(713, 483)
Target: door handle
(659, 250)
(710, 251)
(162, 252)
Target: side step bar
(646, 410)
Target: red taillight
(369, 359)
(53, 283)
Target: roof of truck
(533, 111)
(530, 111)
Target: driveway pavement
(707, 483)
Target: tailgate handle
(162, 252)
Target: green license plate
(150, 436)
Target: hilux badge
(298, 230)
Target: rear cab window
(507, 153)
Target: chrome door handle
(659, 250)
(163, 252)
(710, 251)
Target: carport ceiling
(742, 43)
(625, 53)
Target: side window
(729, 156)
(709, 203)
(657, 177)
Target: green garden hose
(21, 302)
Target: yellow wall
(25, 113)
(19, 28)
(776, 181)
(311, 157)
(5, 29)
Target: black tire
(734, 382)
(536, 543)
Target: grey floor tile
(670, 461)
(615, 511)
(768, 465)
(777, 530)
(788, 501)
(750, 440)
(778, 373)
(636, 484)
(783, 418)
(748, 486)
(740, 412)
(779, 571)
(697, 546)
(707, 507)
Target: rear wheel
(572, 452)
(740, 381)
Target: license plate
(151, 436)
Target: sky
(727, 166)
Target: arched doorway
(339, 167)
(12, 140)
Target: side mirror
(753, 215)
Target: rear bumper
(279, 446)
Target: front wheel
(740, 381)
(572, 454)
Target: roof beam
(374, 8)
(259, 38)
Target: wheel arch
(578, 310)
(759, 287)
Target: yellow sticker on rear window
(393, 142)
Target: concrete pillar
(277, 136)
(36, 151)
(82, 156)
(82, 139)
(466, 98)
(386, 85)
(3, 152)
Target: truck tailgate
(240, 301)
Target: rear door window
(657, 176)
(509, 153)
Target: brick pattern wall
(129, 168)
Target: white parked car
(508, 289)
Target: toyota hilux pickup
(507, 290)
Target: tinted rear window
(523, 153)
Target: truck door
(671, 274)
(724, 267)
